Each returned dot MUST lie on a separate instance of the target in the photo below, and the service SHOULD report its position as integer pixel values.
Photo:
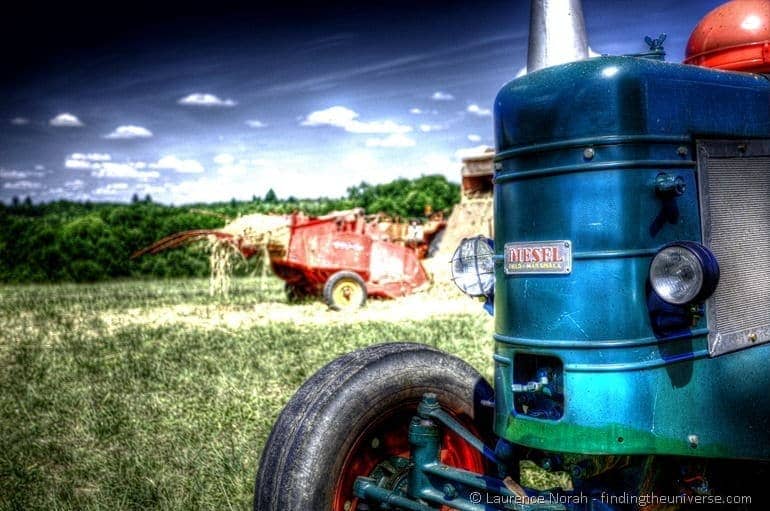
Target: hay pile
(469, 218)
(257, 233)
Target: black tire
(345, 290)
(321, 426)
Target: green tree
(64, 240)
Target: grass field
(153, 395)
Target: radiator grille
(735, 202)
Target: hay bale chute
(246, 236)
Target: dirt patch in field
(413, 307)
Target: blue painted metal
(580, 148)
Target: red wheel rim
(389, 437)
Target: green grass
(167, 415)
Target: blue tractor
(630, 281)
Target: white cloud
(208, 189)
(86, 161)
(427, 128)
(22, 185)
(338, 116)
(472, 151)
(442, 96)
(331, 177)
(129, 132)
(101, 165)
(232, 170)
(74, 184)
(73, 163)
(171, 162)
(229, 167)
(256, 123)
(394, 140)
(111, 189)
(359, 158)
(474, 138)
(334, 171)
(18, 174)
(19, 121)
(440, 163)
(415, 111)
(347, 119)
(378, 127)
(66, 120)
(91, 156)
(224, 159)
(39, 167)
(122, 171)
(201, 99)
(477, 110)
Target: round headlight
(473, 266)
(684, 272)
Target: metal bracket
(430, 408)
(432, 482)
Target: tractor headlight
(473, 266)
(684, 272)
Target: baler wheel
(345, 291)
(351, 419)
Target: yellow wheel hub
(347, 294)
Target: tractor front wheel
(345, 290)
(351, 419)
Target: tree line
(85, 241)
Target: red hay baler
(346, 259)
(340, 256)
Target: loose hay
(221, 255)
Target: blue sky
(195, 103)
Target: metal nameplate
(538, 257)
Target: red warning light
(734, 36)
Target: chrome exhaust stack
(557, 33)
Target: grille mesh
(737, 198)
